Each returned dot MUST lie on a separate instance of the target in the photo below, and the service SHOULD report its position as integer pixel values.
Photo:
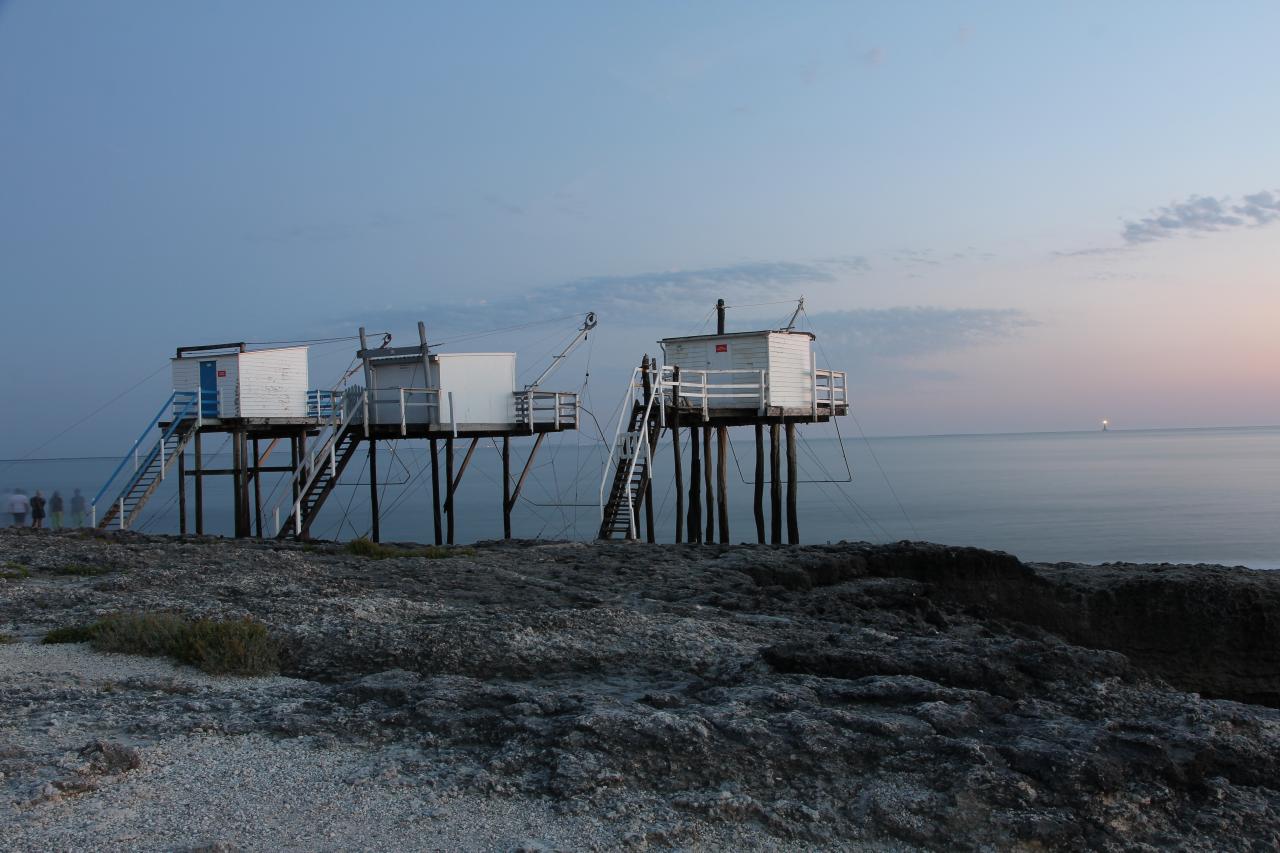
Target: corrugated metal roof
(809, 335)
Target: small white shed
(784, 360)
(266, 383)
(474, 390)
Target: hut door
(209, 389)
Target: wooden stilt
(775, 484)
(448, 477)
(375, 530)
(675, 447)
(706, 484)
(257, 490)
(722, 481)
(506, 487)
(695, 486)
(793, 521)
(435, 491)
(759, 478)
(199, 487)
(237, 480)
(182, 493)
(246, 529)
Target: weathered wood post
(435, 491)
(237, 479)
(722, 480)
(199, 486)
(675, 447)
(182, 492)
(793, 521)
(775, 484)
(257, 490)
(375, 528)
(448, 477)
(759, 495)
(506, 487)
(695, 486)
(706, 483)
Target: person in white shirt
(19, 506)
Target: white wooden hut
(762, 370)
(237, 383)
(466, 390)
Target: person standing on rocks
(19, 507)
(77, 509)
(55, 510)
(37, 510)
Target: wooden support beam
(775, 484)
(462, 469)
(759, 490)
(695, 486)
(199, 486)
(793, 521)
(722, 481)
(182, 492)
(675, 448)
(528, 465)
(646, 497)
(257, 487)
(435, 490)
(375, 517)
(506, 487)
(448, 481)
(706, 483)
(223, 472)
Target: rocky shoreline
(538, 695)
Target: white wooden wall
(482, 384)
(790, 370)
(273, 383)
(186, 377)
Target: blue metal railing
(323, 404)
(184, 406)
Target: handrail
(643, 438)
(555, 407)
(311, 467)
(192, 400)
(628, 397)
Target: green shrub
(363, 547)
(70, 634)
(14, 571)
(237, 647)
(6, 639)
(80, 570)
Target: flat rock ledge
(541, 696)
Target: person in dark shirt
(55, 510)
(77, 509)
(37, 510)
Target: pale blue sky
(959, 188)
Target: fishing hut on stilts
(261, 398)
(706, 384)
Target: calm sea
(1205, 495)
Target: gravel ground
(569, 696)
(253, 792)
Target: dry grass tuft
(234, 647)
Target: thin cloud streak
(1201, 214)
